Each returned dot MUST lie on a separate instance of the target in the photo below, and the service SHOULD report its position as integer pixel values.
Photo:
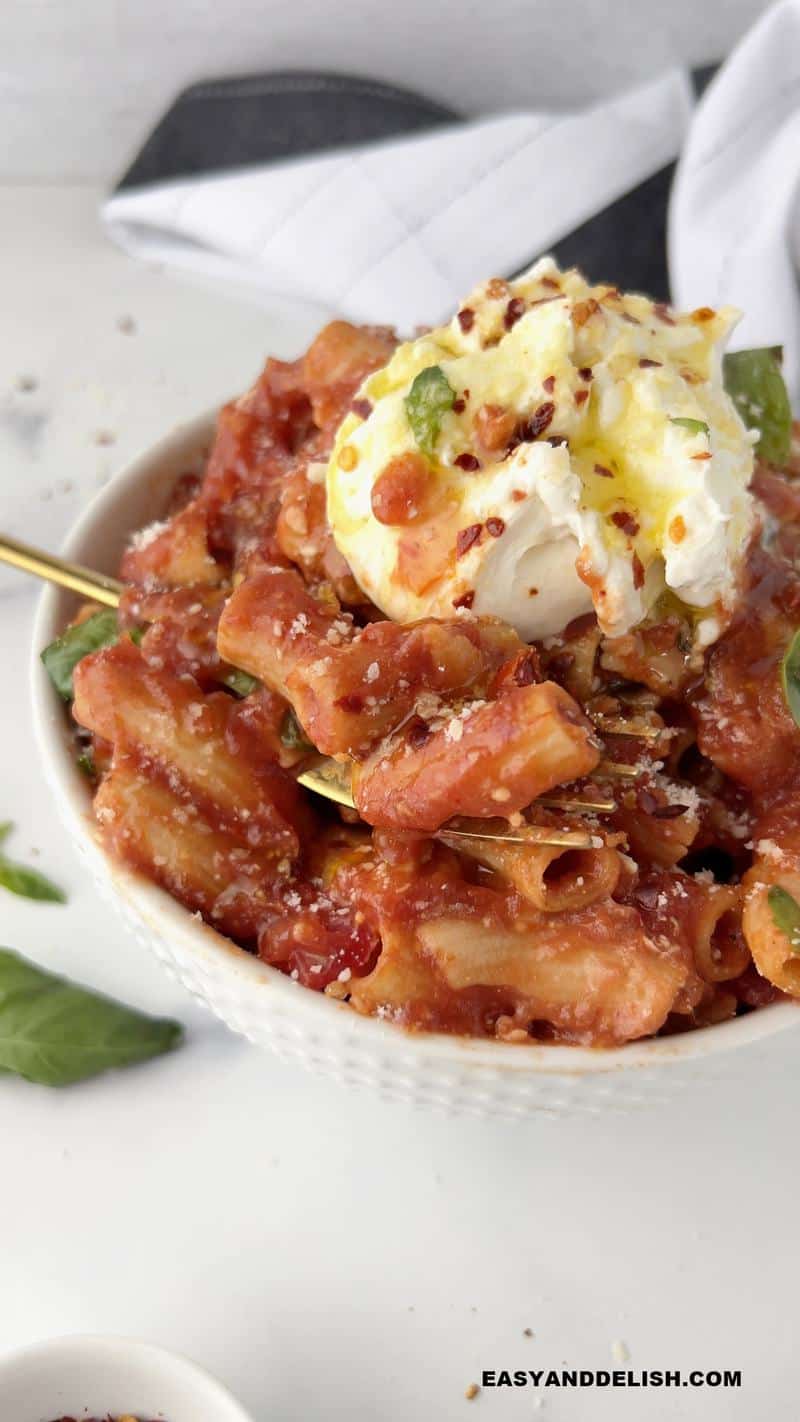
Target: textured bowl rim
(310, 1010)
(119, 1347)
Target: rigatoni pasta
(246, 646)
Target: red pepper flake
(465, 600)
(527, 670)
(467, 461)
(459, 406)
(467, 537)
(533, 592)
(646, 364)
(638, 572)
(703, 313)
(583, 310)
(647, 802)
(669, 812)
(537, 423)
(604, 471)
(581, 396)
(706, 455)
(549, 384)
(363, 408)
(626, 521)
(518, 495)
(351, 702)
(551, 282)
(495, 526)
(586, 372)
(466, 318)
(513, 311)
(417, 733)
(663, 313)
(497, 287)
(494, 426)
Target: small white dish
(86, 1376)
(464, 1075)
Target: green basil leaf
(786, 914)
(292, 734)
(56, 1033)
(694, 426)
(754, 382)
(63, 655)
(28, 883)
(430, 397)
(85, 763)
(240, 682)
(790, 677)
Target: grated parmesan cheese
(145, 536)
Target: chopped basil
(240, 682)
(28, 883)
(292, 734)
(85, 762)
(63, 655)
(694, 426)
(56, 1033)
(754, 382)
(430, 397)
(790, 677)
(785, 914)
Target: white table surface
(330, 1256)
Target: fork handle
(78, 579)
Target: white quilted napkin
(397, 231)
(734, 227)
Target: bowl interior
(85, 1377)
(134, 498)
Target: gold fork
(323, 775)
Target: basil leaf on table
(693, 426)
(56, 1033)
(62, 656)
(785, 914)
(430, 397)
(754, 382)
(790, 678)
(28, 883)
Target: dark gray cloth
(232, 123)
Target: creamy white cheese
(624, 472)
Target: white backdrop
(81, 83)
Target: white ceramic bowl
(458, 1074)
(84, 1377)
